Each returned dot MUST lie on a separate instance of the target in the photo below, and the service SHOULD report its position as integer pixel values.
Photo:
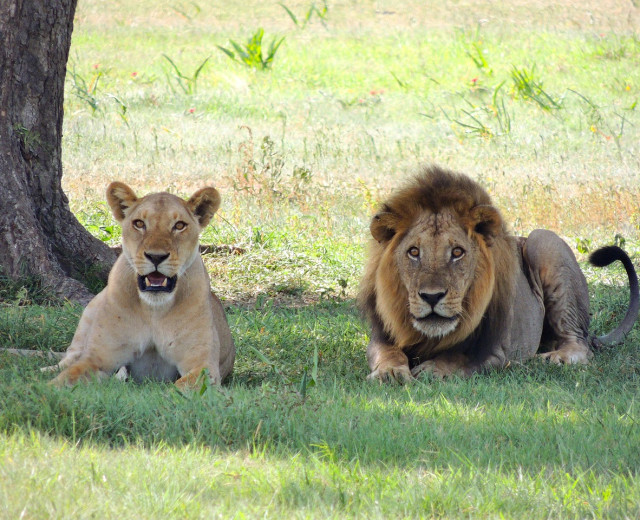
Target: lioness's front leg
(192, 361)
(81, 337)
(189, 381)
(90, 364)
(98, 348)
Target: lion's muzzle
(435, 325)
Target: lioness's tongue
(156, 278)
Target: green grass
(196, 482)
(535, 439)
(302, 152)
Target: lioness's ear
(383, 225)
(204, 203)
(120, 198)
(487, 221)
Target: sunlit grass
(538, 441)
(204, 483)
(408, 98)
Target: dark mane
(435, 190)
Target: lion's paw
(567, 356)
(391, 373)
(442, 366)
(429, 367)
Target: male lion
(448, 291)
(157, 315)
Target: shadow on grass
(531, 416)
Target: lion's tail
(603, 257)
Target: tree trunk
(39, 236)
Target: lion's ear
(487, 221)
(120, 198)
(383, 226)
(204, 203)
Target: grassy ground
(536, 101)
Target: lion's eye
(457, 252)
(138, 224)
(179, 226)
(413, 252)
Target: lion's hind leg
(569, 353)
(558, 280)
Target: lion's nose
(432, 298)
(156, 260)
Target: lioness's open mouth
(156, 282)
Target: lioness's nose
(156, 260)
(432, 298)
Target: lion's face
(436, 262)
(432, 272)
(160, 236)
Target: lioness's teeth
(164, 282)
(147, 282)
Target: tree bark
(39, 236)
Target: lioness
(447, 289)
(157, 315)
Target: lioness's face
(160, 236)
(436, 260)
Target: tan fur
(448, 290)
(153, 332)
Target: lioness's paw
(122, 374)
(194, 379)
(57, 382)
(74, 375)
(61, 380)
(387, 374)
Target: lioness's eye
(179, 226)
(413, 252)
(138, 224)
(457, 252)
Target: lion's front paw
(430, 367)
(391, 373)
(442, 366)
